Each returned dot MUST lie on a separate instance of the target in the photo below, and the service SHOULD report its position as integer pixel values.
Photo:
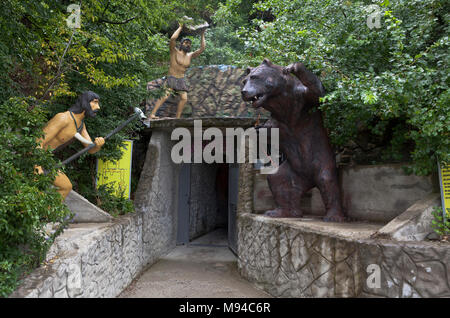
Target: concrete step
(85, 211)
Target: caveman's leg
(287, 189)
(63, 184)
(158, 104)
(329, 189)
(181, 103)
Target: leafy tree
(120, 46)
(392, 82)
(27, 200)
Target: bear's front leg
(308, 79)
(287, 190)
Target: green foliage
(441, 225)
(222, 47)
(376, 79)
(27, 200)
(111, 202)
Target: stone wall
(214, 91)
(157, 193)
(381, 192)
(376, 193)
(307, 258)
(93, 260)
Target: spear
(137, 114)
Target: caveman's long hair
(83, 103)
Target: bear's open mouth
(258, 100)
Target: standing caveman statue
(180, 59)
(62, 129)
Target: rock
(414, 224)
(85, 211)
(74, 281)
(214, 90)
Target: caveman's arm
(173, 39)
(309, 79)
(99, 141)
(202, 46)
(52, 129)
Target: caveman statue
(64, 127)
(180, 59)
(291, 94)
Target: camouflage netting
(214, 91)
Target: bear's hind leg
(287, 190)
(331, 195)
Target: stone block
(85, 211)
(414, 224)
(74, 280)
(46, 290)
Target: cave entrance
(207, 202)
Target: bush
(109, 201)
(28, 201)
(441, 224)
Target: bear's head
(270, 87)
(263, 83)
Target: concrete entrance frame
(158, 193)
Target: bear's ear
(248, 70)
(267, 62)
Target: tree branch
(117, 22)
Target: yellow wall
(118, 172)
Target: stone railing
(92, 260)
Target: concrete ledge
(414, 224)
(206, 122)
(298, 258)
(85, 211)
(311, 224)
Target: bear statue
(291, 95)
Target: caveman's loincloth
(177, 84)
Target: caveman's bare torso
(61, 129)
(179, 63)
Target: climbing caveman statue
(291, 94)
(62, 129)
(180, 59)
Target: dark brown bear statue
(290, 94)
